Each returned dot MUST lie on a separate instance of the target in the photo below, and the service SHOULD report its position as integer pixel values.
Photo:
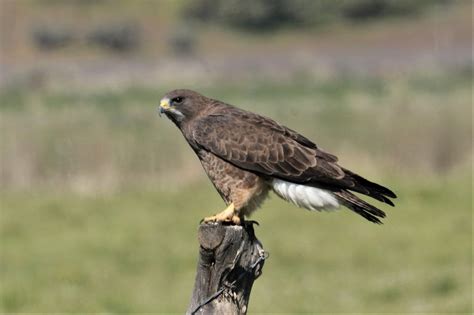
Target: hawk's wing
(259, 144)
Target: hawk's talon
(227, 216)
(211, 219)
(252, 222)
(236, 220)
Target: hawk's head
(182, 105)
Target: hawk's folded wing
(261, 145)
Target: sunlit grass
(136, 252)
(113, 140)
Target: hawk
(246, 155)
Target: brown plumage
(245, 155)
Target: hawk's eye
(177, 100)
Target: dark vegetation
(261, 15)
(118, 37)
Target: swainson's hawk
(246, 155)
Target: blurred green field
(101, 200)
(113, 140)
(136, 252)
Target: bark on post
(230, 259)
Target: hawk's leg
(228, 215)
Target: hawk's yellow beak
(166, 108)
(164, 104)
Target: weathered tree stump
(230, 259)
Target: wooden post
(230, 259)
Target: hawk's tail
(359, 206)
(371, 189)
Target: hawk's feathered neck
(174, 118)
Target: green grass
(136, 252)
(113, 140)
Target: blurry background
(100, 199)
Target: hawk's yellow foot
(228, 215)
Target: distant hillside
(117, 43)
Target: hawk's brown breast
(245, 189)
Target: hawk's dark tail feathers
(359, 206)
(371, 189)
